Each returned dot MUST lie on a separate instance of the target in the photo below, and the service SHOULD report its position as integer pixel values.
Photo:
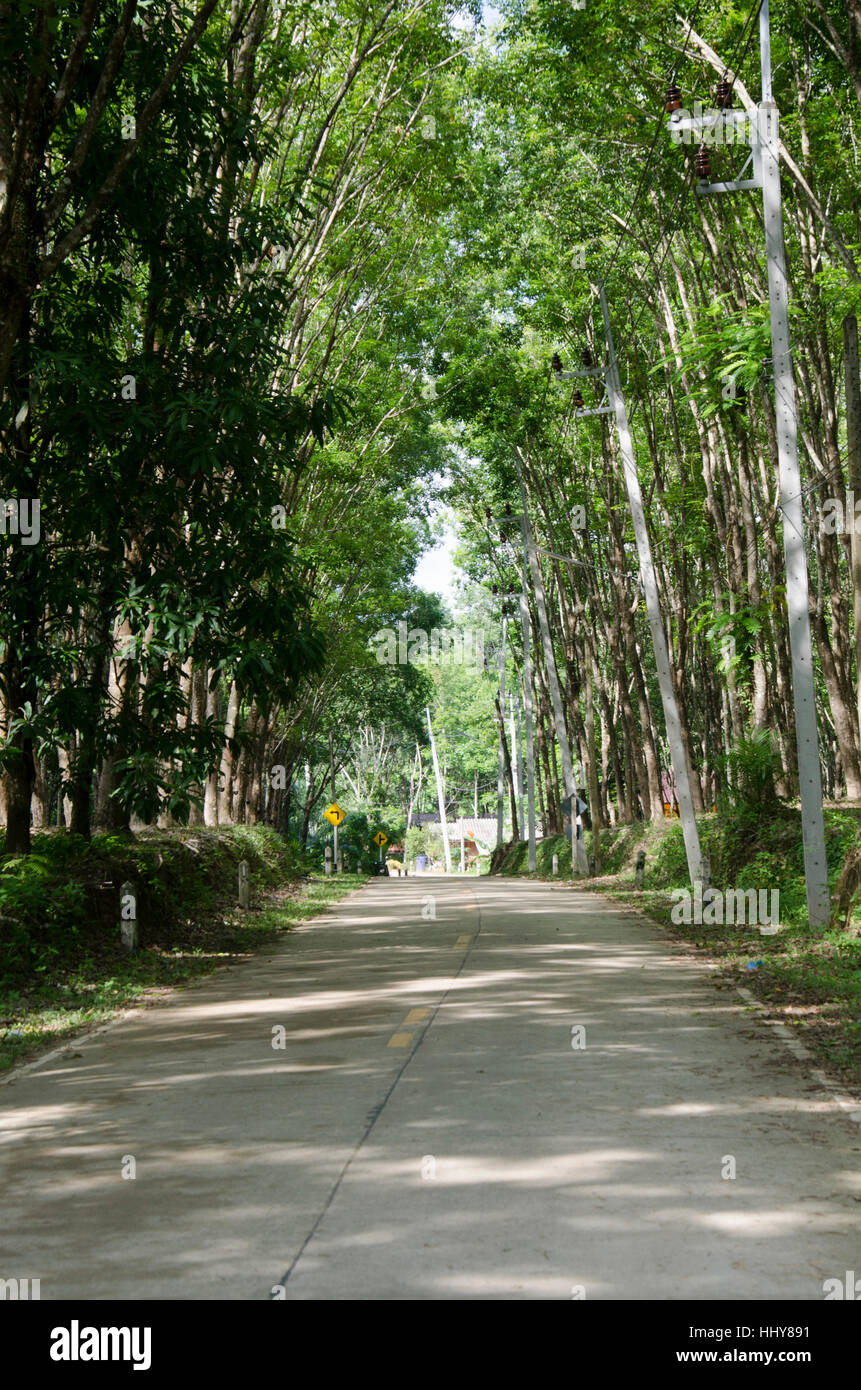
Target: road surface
(442, 1089)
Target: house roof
(482, 828)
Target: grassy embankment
(62, 966)
(810, 979)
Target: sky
(435, 572)
(489, 14)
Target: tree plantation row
(278, 279)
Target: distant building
(479, 836)
(479, 833)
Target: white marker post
(129, 930)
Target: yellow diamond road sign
(335, 814)
(380, 839)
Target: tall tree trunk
(509, 776)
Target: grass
(809, 979)
(63, 968)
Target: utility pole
(765, 157)
(439, 795)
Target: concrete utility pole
(549, 654)
(439, 796)
(500, 775)
(766, 175)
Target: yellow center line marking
(416, 1015)
(462, 941)
(400, 1040)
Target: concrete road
(434, 1125)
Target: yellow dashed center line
(416, 1015)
